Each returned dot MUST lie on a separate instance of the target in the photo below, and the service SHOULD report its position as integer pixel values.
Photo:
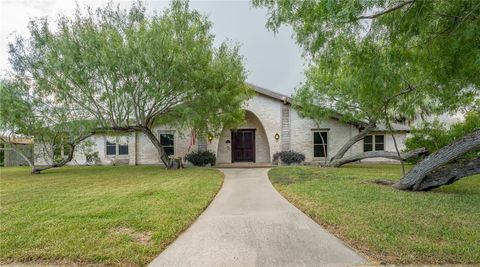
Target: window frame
(63, 149)
(116, 145)
(374, 142)
(326, 145)
(164, 132)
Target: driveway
(250, 224)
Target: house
(271, 125)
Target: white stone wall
(262, 150)
(140, 149)
(146, 153)
(389, 146)
(338, 134)
(268, 112)
(302, 135)
(263, 114)
(42, 154)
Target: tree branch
(449, 174)
(379, 14)
(456, 149)
(379, 154)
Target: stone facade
(269, 114)
(262, 148)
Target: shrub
(92, 158)
(289, 157)
(202, 158)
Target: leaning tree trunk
(156, 143)
(37, 170)
(352, 141)
(73, 145)
(449, 174)
(379, 154)
(414, 179)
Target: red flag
(192, 140)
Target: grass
(122, 215)
(387, 225)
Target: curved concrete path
(250, 224)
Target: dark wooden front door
(243, 146)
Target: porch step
(244, 165)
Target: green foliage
(53, 126)
(289, 157)
(126, 69)
(435, 135)
(16, 109)
(88, 149)
(92, 158)
(202, 158)
(373, 60)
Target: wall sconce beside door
(277, 136)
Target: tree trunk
(414, 178)
(449, 174)
(390, 129)
(379, 154)
(37, 170)
(156, 143)
(352, 141)
(73, 145)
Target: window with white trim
(167, 140)
(374, 143)
(116, 145)
(320, 144)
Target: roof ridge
(273, 94)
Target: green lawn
(387, 225)
(107, 215)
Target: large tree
(354, 79)
(57, 130)
(422, 54)
(132, 72)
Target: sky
(273, 61)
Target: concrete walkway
(250, 224)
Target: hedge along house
(271, 125)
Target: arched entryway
(248, 143)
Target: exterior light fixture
(277, 136)
(210, 138)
